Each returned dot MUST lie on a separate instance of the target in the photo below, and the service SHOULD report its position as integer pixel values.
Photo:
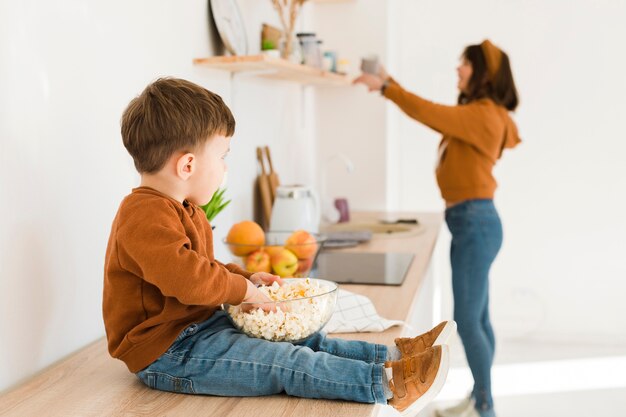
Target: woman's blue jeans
(214, 358)
(476, 239)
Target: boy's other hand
(264, 278)
(256, 298)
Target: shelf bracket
(232, 90)
(303, 109)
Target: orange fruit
(246, 233)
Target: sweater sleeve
(155, 247)
(236, 269)
(463, 122)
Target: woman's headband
(493, 56)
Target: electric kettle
(295, 207)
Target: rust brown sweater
(474, 136)
(160, 276)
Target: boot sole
(435, 388)
(448, 330)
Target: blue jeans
(214, 358)
(476, 239)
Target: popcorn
(297, 319)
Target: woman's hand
(371, 81)
(382, 72)
(263, 278)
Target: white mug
(370, 64)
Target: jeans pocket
(491, 229)
(165, 382)
(458, 224)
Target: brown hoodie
(474, 136)
(160, 276)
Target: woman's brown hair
(172, 115)
(499, 87)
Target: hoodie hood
(511, 134)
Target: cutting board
(273, 177)
(264, 190)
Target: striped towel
(355, 313)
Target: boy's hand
(260, 300)
(263, 278)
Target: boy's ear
(185, 166)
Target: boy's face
(211, 167)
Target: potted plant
(215, 205)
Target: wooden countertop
(91, 383)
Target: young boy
(163, 287)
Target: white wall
(348, 120)
(562, 195)
(69, 68)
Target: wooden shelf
(275, 68)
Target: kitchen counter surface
(91, 383)
(421, 243)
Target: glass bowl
(290, 320)
(286, 254)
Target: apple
(272, 249)
(284, 262)
(304, 265)
(258, 261)
(302, 244)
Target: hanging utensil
(273, 176)
(263, 185)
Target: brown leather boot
(438, 335)
(417, 380)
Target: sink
(378, 229)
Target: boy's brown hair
(172, 115)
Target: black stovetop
(362, 267)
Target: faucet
(329, 211)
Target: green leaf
(267, 45)
(215, 205)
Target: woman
(475, 132)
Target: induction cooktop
(362, 268)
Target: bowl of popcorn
(299, 308)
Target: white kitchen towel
(355, 313)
